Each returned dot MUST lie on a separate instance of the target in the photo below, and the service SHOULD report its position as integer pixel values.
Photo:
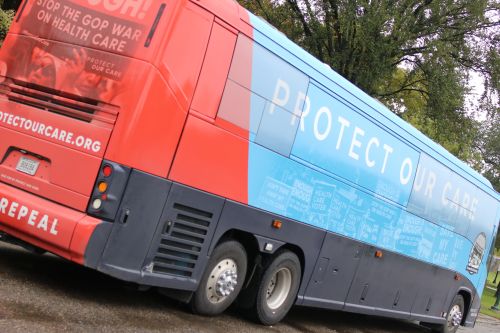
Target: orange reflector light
(107, 170)
(277, 224)
(457, 277)
(102, 187)
(378, 254)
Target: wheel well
(246, 239)
(467, 303)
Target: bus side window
(277, 129)
(214, 72)
(284, 88)
(240, 107)
(235, 107)
(264, 96)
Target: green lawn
(491, 277)
(488, 298)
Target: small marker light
(378, 254)
(96, 204)
(277, 224)
(457, 277)
(107, 170)
(103, 186)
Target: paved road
(47, 294)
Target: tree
(415, 56)
(10, 4)
(489, 148)
(6, 17)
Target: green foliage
(5, 20)
(6, 17)
(487, 300)
(414, 56)
(489, 148)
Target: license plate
(27, 165)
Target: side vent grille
(181, 241)
(83, 109)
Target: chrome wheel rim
(278, 288)
(455, 316)
(222, 281)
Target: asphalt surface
(43, 293)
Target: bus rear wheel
(222, 280)
(277, 288)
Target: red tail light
(108, 190)
(107, 170)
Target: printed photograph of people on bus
(67, 69)
(91, 66)
(71, 74)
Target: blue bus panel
(338, 160)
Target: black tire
(228, 257)
(277, 288)
(454, 316)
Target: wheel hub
(222, 281)
(278, 288)
(226, 283)
(455, 316)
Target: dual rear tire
(269, 297)
(277, 287)
(222, 281)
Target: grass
(488, 298)
(491, 277)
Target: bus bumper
(45, 224)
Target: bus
(187, 145)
